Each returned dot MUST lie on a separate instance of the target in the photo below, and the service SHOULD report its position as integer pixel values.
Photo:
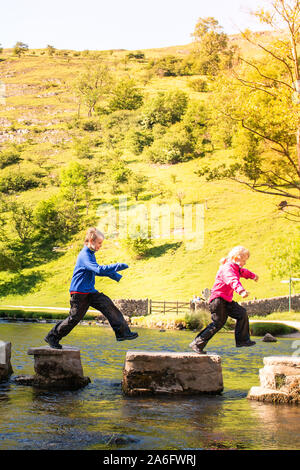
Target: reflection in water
(100, 417)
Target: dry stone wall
(262, 307)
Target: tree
(126, 95)
(20, 48)
(261, 97)
(1, 49)
(286, 258)
(93, 85)
(165, 109)
(212, 50)
(73, 182)
(51, 50)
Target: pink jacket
(228, 280)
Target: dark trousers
(220, 310)
(79, 306)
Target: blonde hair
(92, 234)
(236, 253)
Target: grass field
(40, 101)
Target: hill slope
(39, 106)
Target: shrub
(260, 329)
(90, 125)
(165, 109)
(82, 148)
(137, 244)
(175, 146)
(9, 157)
(14, 182)
(199, 85)
(126, 95)
(197, 320)
(137, 140)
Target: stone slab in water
(147, 372)
(5, 364)
(56, 368)
(267, 395)
(279, 380)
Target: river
(99, 416)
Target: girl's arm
(230, 276)
(245, 273)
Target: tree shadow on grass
(21, 284)
(157, 251)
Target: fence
(156, 306)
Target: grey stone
(268, 338)
(5, 364)
(267, 395)
(171, 373)
(279, 380)
(56, 368)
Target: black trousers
(220, 310)
(79, 306)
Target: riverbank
(278, 323)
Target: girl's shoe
(198, 349)
(53, 342)
(246, 343)
(130, 335)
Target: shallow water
(100, 417)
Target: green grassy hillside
(41, 106)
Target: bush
(15, 182)
(175, 146)
(82, 148)
(137, 140)
(170, 66)
(197, 320)
(9, 157)
(90, 125)
(165, 109)
(126, 95)
(199, 85)
(260, 329)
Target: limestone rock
(279, 380)
(56, 368)
(171, 373)
(5, 365)
(268, 338)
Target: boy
(84, 294)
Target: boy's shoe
(246, 343)
(53, 342)
(198, 349)
(130, 335)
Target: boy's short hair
(92, 234)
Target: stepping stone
(172, 373)
(55, 368)
(5, 365)
(279, 380)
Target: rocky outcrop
(55, 369)
(279, 380)
(5, 365)
(171, 373)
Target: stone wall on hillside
(262, 307)
(132, 307)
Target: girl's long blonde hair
(236, 253)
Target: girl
(221, 304)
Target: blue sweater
(87, 268)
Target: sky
(116, 24)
